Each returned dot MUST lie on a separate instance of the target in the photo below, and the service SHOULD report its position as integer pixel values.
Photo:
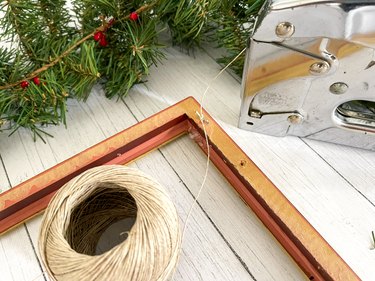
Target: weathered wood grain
(357, 166)
(330, 185)
(205, 254)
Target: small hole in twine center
(93, 223)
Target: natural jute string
(86, 206)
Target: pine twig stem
(72, 48)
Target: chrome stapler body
(310, 72)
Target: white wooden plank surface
(205, 254)
(242, 229)
(357, 166)
(4, 183)
(18, 259)
(316, 177)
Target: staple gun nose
(310, 72)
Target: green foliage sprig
(48, 52)
(235, 19)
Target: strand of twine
(86, 206)
(102, 28)
(208, 159)
(202, 120)
(203, 123)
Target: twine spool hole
(102, 221)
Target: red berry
(98, 35)
(103, 42)
(24, 84)
(36, 81)
(133, 16)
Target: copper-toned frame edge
(307, 247)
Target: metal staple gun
(310, 71)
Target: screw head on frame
(295, 119)
(338, 88)
(284, 30)
(320, 67)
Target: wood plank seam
(6, 172)
(36, 255)
(244, 265)
(342, 176)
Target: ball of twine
(86, 206)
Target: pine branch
(55, 17)
(43, 4)
(84, 67)
(12, 16)
(54, 60)
(132, 58)
(234, 23)
(102, 28)
(189, 19)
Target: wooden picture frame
(304, 244)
